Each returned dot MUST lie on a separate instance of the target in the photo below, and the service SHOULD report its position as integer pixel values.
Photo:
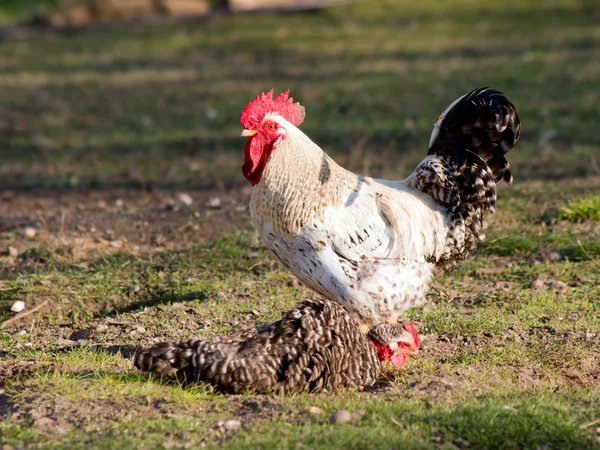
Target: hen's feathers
(467, 158)
(316, 346)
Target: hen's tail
(223, 362)
(168, 360)
(467, 149)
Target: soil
(135, 215)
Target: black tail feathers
(467, 159)
(480, 126)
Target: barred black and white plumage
(316, 346)
(467, 159)
(482, 125)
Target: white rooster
(373, 245)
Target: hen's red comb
(283, 104)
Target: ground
(124, 216)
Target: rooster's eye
(271, 126)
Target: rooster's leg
(365, 327)
(394, 332)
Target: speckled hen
(373, 245)
(316, 346)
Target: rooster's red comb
(283, 104)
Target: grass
(502, 366)
(581, 210)
(159, 105)
(13, 11)
(101, 131)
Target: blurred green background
(160, 104)
(14, 11)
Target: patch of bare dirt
(582, 372)
(12, 370)
(34, 223)
(58, 415)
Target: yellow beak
(248, 133)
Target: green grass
(15, 11)
(515, 367)
(581, 209)
(501, 420)
(110, 113)
(160, 104)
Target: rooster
(374, 245)
(316, 346)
